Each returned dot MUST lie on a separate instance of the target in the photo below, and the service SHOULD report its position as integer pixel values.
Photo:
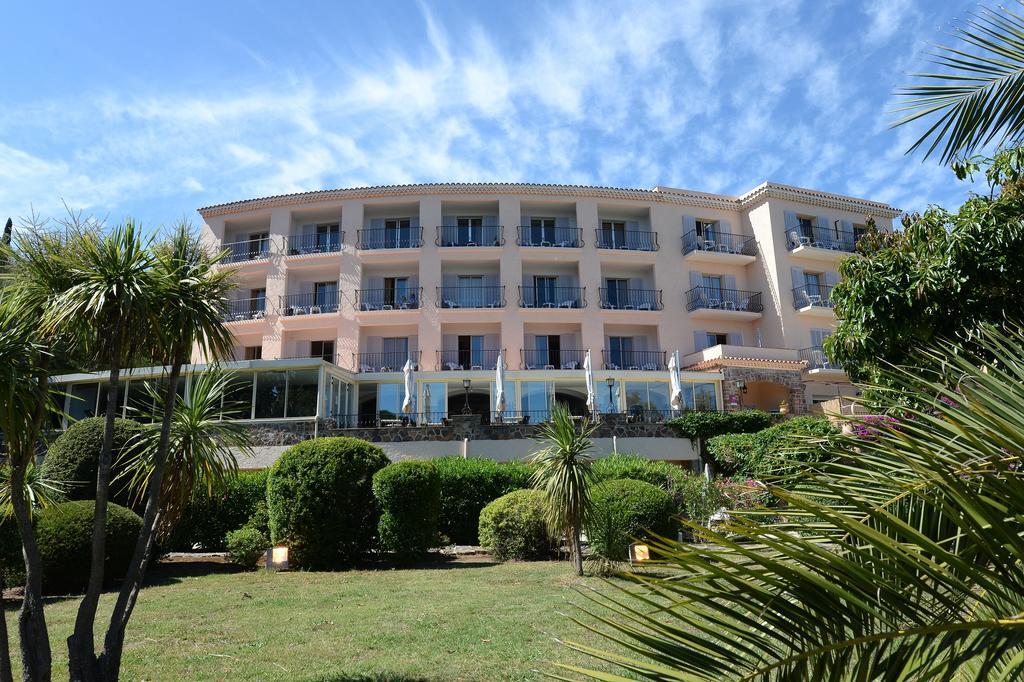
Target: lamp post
(426, 402)
(611, 401)
(465, 406)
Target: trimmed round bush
(467, 484)
(512, 527)
(623, 511)
(73, 458)
(409, 496)
(320, 501)
(208, 519)
(64, 532)
(245, 546)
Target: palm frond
(563, 468)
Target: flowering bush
(869, 426)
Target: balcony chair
(570, 365)
(743, 305)
(476, 367)
(611, 366)
(645, 306)
(650, 367)
(453, 366)
(297, 310)
(709, 245)
(448, 303)
(314, 310)
(365, 368)
(728, 305)
(571, 303)
(813, 300)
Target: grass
(457, 621)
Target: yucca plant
(898, 558)
(563, 472)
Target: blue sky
(154, 109)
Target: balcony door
(812, 284)
(614, 233)
(471, 293)
(396, 291)
(257, 300)
(395, 351)
(259, 244)
(544, 291)
(712, 287)
(471, 351)
(322, 349)
(468, 230)
(617, 292)
(549, 350)
(542, 231)
(325, 296)
(620, 351)
(328, 237)
(397, 233)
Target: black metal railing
(714, 298)
(486, 235)
(389, 299)
(558, 237)
(471, 297)
(388, 238)
(629, 240)
(812, 296)
(310, 304)
(519, 417)
(460, 359)
(549, 358)
(719, 242)
(386, 420)
(386, 361)
(326, 357)
(246, 309)
(631, 299)
(247, 250)
(650, 360)
(816, 359)
(820, 238)
(552, 297)
(304, 244)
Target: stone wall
(791, 379)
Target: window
(389, 400)
(82, 401)
(259, 243)
(549, 350)
(717, 339)
(712, 285)
(302, 392)
(398, 232)
(468, 230)
(257, 300)
(396, 352)
(270, 395)
(396, 291)
(254, 352)
(237, 402)
(542, 231)
(705, 397)
(435, 401)
(607, 396)
(325, 295)
(812, 280)
(617, 291)
(614, 233)
(471, 294)
(535, 399)
(544, 291)
(858, 231)
(620, 351)
(707, 230)
(322, 349)
(328, 237)
(806, 227)
(471, 351)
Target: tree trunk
(5, 650)
(83, 665)
(576, 548)
(34, 637)
(113, 641)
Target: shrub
(625, 510)
(775, 451)
(467, 485)
(64, 532)
(245, 546)
(408, 494)
(637, 467)
(207, 519)
(72, 459)
(513, 526)
(320, 500)
(698, 424)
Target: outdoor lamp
(465, 406)
(741, 386)
(639, 552)
(611, 400)
(277, 558)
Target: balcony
(308, 244)
(627, 240)
(320, 303)
(631, 299)
(556, 237)
(549, 358)
(471, 297)
(646, 360)
(389, 238)
(719, 247)
(387, 361)
(819, 243)
(247, 250)
(389, 299)
(816, 362)
(813, 299)
(487, 235)
(716, 303)
(477, 359)
(245, 310)
(552, 297)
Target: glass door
(544, 292)
(396, 352)
(620, 351)
(325, 296)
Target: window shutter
(831, 278)
(792, 229)
(818, 336)
(414, 221)
(735, 339)
(847, 226)
(490, 221)
(725, 226)
(308, 229)
(791, 221)
(700, 340)
(798, 277)
(689, 224)
(524, 220)
(696, 278)
(562, 222)
(633, 225)
(449, 221)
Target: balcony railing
(387, 420)
(629, 240)
(386, 238)
(631, 299)
(305, 244)
(558, 237)
(487, 235)
(250, 249)
(246, 309)
(816, 359)
(387, 361)
(650, 360)
(719, 242)
(455, 360)
(471, 297)
(326, 357)
(714, 298)
(310, 304)
(812, 296)
(547, 358)
(820, 238)
(552, 297)
(389, 299)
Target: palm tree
(978, 97)
(898, 558)
(191, 299)
(563, 472)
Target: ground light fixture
(277, 558)
(639, 553)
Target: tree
(942, 276)
(564, 474)
(898, 558)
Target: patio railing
(246, 250)
(552, 297)
(304, 244)
(820, 238)
(246, 309)
(558, 237)
(486, 235)
(816, 359)
(389, 238)
(386, 361)
(454, 360)
(389, 299)
(629, 240)
(553, 359)
(648, 360)
(319, 303)
(719, 242)
(471, 297)
(812, 296)
(713, 298)
(631, 299)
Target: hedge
(699, 424)
(625, 510)
(513, 526)
(409, 496)
(467, 485)
(72, 459)
(774, 451)
(320, 501)
(207, 519)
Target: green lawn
(458, 621)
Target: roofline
(669, 195)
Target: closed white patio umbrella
(588, 376)
(675, 383)
(499, 384)
(410, 388)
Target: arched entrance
(764, 395)
(763, 388)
